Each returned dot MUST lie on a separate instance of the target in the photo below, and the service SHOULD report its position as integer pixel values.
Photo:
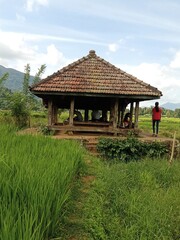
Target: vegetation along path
(117, 200)
(57, 190)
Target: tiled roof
(92, 74)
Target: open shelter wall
(116, 108)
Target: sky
(140, 37)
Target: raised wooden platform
(91, 127)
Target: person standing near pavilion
(156, 118)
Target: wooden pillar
(122, 117)
(71, 112)
(111, 117)
(136, 114)
(55, 114)
(122, 108)
(50, 112)
(119, 113)
(115, 118)
(104, 115)
(86, 115)
(131, 114)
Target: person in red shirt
(156, 118)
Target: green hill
(15, 80)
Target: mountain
(15, 79)
(171, 106)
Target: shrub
(20, 109)
(130, 149)
(46, 131)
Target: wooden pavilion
(89, 84)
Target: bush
(46, 131)
(20, 110)
(130, 149)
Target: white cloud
(19, 49)
(126, 13)
(53, 58)
(53, 55)
(13, 45)
(153, 73)
(113, 47)
(20, 17)
(171, 94)
(176, 61)
(163, 77)
(31, 4)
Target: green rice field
(43, 196)
(36, 176)
(167, 126)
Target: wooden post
(86, 115)
(136, 114)
(119, 113)
(122, 108)
(50, 112)
(131, 114)
(104, 115)
(71, 112)
(55, 113)
(115, 118)
(122, 117)
(172, 151)
(111, 118)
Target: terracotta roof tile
(92, 74)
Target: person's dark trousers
(156, 126)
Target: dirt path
(75, 226)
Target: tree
(27, 70)
(32, 100)
(3, 78)
(23, 102)
(37, 77)
(4, 92)
(19, 109)
(20, 103)
(177, 112)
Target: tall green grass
(36, 174)
(138, 200)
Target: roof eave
(129, 96)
